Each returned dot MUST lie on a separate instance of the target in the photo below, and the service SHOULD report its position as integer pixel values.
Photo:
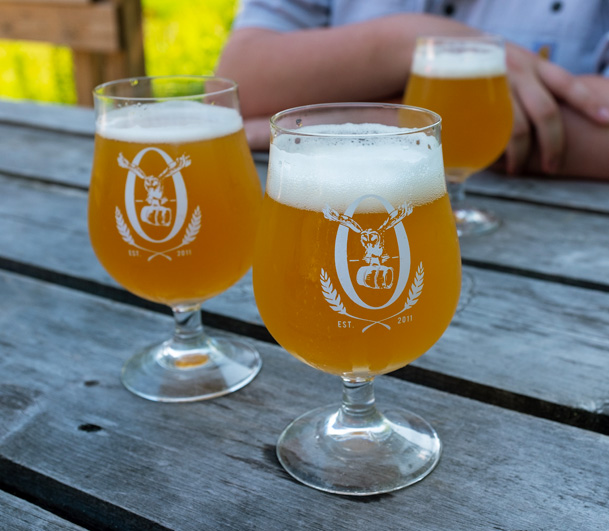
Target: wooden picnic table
(518, 386)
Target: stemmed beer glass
(173, 205)
(357, 272)
(464, 80)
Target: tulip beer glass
(464, 81)
(357, 272)
(173, 204)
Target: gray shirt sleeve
(283, 15)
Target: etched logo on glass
(154, 209)
(375, 269)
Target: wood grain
(105, 36)
(529, 343)
(578, 194)
(19, 515)
(549, 319)
(211, 465)
(88, 26)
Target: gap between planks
(587, 420)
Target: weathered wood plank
(544, 240)
(528, 240)
(511, 333)
(71, 119)
(54, 156)
(49, 1)
(105, 35)
(582, 194)
(530, 337)
(19, 515)
(91, 26)
(210, 465)
(577, 194)
(27, 153)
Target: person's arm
(368, 61)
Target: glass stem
(456, 193)
(188, 331)
(358, 409)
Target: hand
(537, 88)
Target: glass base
(216, 367)
(397, 450)
(474, 222)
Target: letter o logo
(181, 198)
(341, 259)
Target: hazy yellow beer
(464, 81)
(357, 265)
(174, 201)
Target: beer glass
(173, 204)
(464, 81)
(357, 272)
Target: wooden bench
(104, 35)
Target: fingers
(542, 91)
(543, 113)
(519, 147)
(572, 91)
(536, 110)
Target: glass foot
(216, 367)
(474, 222)
(395, 451)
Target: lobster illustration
(154, 213)
(375, 275)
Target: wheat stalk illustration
(122, 227)
(330, 294)
(193, 227)
(415, 288)
(333, 298)
(123, 230)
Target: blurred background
(180, 37)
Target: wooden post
(105, 35)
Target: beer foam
(366, 159)
(459, 60)
(169, 121)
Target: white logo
(375, 274)
(157, 212)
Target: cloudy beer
(173, 204)
(176, 224)
(357, 272)
(357, 267)
(464, 81)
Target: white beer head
(444, 57)
(168, 122)
(336, 164)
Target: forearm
(359, 62)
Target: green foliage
(180, 37)
(36, 71)
(185, 36)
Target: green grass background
(180, 37)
